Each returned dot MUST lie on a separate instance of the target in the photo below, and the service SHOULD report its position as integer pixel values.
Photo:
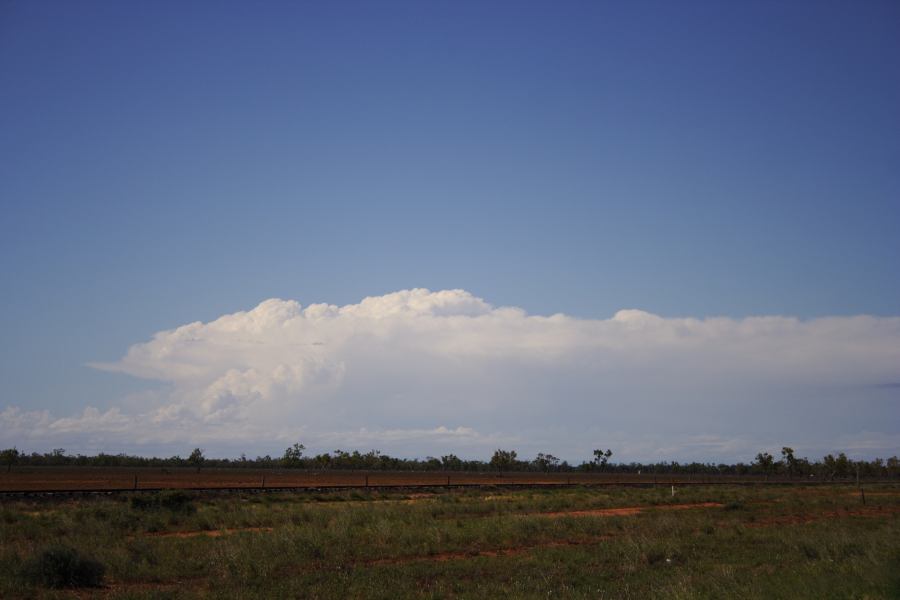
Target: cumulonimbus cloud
(449, 368)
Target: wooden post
(448, 481)
(263, 481)
(862, 494)
(673, 490)
(135, 481)
(367, 481)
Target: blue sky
(167, 163)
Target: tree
(503, 460)
(601, 458)
(765, 462)
(9, 457)
(892, 465)
(787, 456)
(546, 462)
(293, 456)
(196, 458)
(451, 462)
(842, 465)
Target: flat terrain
(120, 478)
(573, 542)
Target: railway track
(399, 487)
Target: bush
(175, 501)
(144, 502)
(63, 567)
(809, 551)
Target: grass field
(579, 542)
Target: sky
(670, 229)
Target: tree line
(828, 468)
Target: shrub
(809, 551)
(175, 501)
(63, 567)
(140, 552)
(144, 502)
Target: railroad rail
(400, 487)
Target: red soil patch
(509, 551)
(628, 511)
(207, 533)
(824, 516)
(140, 587)
(412, 499)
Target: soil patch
(824, 516)
(628, 511)
(492, 553)
(207, 533)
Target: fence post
(135, 481)
(264, 481)
(367, 481)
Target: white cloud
(436, 368)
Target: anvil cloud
(417, 372)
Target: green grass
(762, 542)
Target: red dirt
(508, 551)
(628, 511)
(824, 516)
(207, 533)
(119, 587)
